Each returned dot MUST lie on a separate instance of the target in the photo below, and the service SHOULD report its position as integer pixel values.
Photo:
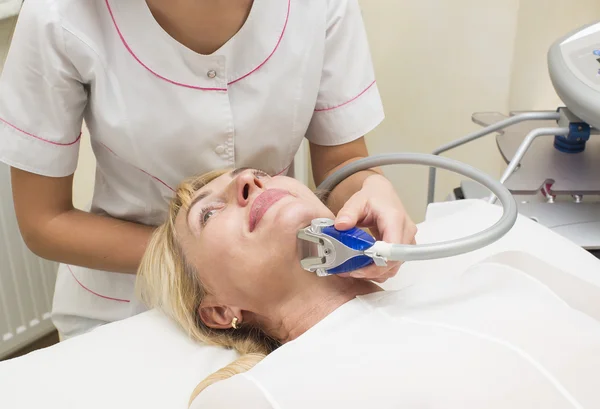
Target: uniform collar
(155, 51)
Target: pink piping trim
(287, 19)
(163, 183)
(158, 180)
(141, 170)
(144, 65)
(283, 171)
(347, 102)
(42, 139)
(194, 86)
(93, 292)
(108, 149)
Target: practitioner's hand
(377, 207)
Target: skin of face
(246, 269)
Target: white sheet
(452, 220)
(146, 362)
(143, 362)
(441, 344)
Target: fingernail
(357, 275)
(344, 219)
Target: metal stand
(570, 173)
(551, 185)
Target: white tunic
(158, 112)
(493, 338)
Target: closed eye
(260, 174)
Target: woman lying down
(225, 266)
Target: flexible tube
(513, 120)
(399, 252)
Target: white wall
(6, 29)
(439, 61)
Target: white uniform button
(211, 74)
(220, 149)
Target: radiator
(26, 281)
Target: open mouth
(262, 203)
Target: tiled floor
(45, 342)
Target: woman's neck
(303, 309)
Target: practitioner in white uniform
(226, 267)
(170, 89)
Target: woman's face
(240, 235)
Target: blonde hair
(242, 364)
(167, 282)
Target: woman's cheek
(222, 232)
(294, 216)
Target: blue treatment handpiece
(333, 251)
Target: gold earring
(234, 323)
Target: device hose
(399, 252)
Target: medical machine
(553, 157)
(551, 179)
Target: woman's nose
(246, 183)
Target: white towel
(9, 8)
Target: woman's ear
(219, 316)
